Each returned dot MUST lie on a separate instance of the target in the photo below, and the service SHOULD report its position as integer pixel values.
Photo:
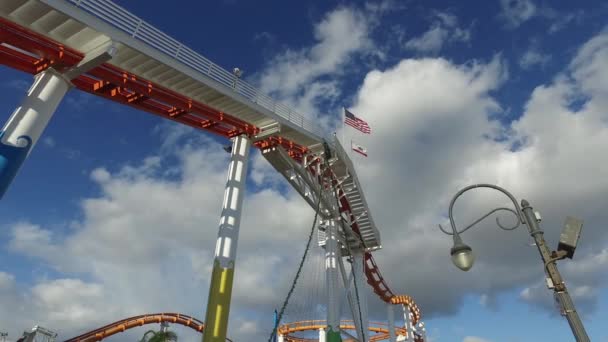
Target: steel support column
(332, 253)
(407, 318)
(322, 335)
(220, 289)
(28, 121)
(352, 303)
(358, 266)
(391, 322)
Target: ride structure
(98, 47)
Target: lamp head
(462, 254)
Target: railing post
(137, 28)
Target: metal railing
(137, 28)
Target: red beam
(52, 53)
(32, 52)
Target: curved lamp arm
(517, 212)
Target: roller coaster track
(373, 275)
(289, 330)
(29, 51)
(137, 321)
(36, 53)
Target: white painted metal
(152, 54)
(230, 220)
(301, 179)
(353, 190)
(347, 281)
(30, 119)
(308, 186)
(422, 331)
(332, 253)
(409, 327)
(321, 335)
(358, 267)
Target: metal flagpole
(343, 125)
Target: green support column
(222, 276)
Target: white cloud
(560, 20)
(533, 57)
(342, 33)
(443, 30)
(147, 238)
(48, 141)
(146, 234)
(516, 12)
(309, 78)
(6, 280)
(68, 300)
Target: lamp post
(463, 258)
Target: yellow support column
(220, 289)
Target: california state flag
(358, 148)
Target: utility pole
(555, 281)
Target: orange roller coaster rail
(137, 321)
(289, 329)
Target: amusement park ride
(100, 48)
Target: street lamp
(462, 254)
(463, 258)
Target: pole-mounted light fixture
(463, 258)
(462, 254)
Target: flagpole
(343, 125)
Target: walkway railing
(137, 28)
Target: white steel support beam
(321, 335)
(93, 58)
(349, 294)
(358, 266)
(28, 121)
(422, 331)
(301, 179)
(222, 277)
(332, 254)
(391, 322)
(407, 318)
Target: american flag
(351, 120)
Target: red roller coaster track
(137, 321)
(28, 51)
(287, 330)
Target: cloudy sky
(115, 212)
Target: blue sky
(506, 92)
